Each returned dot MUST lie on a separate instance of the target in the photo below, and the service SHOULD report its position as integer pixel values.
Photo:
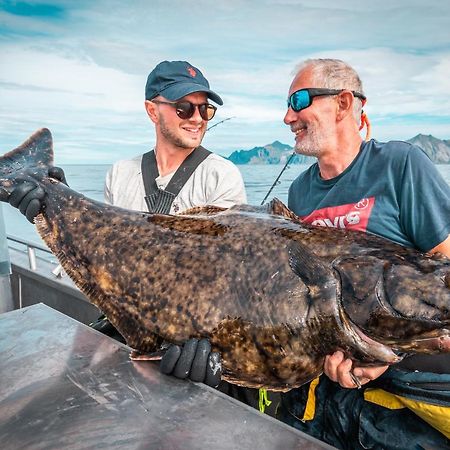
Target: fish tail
(31, 160)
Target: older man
(390, 189)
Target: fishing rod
(279, 176)
(218, 123)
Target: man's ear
(345, 104)
(150, 107)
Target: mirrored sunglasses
(185, 110)
(303, 98)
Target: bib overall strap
(160, 201)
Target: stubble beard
(313, 142)
(174, 139)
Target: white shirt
(216, 181)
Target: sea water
(89, 180)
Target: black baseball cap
(175, 79)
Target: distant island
(438, 151)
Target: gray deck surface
(65, 386)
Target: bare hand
(339, 369)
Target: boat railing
(37, 277)
(31, 249)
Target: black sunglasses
(185, 110)
(303, 98)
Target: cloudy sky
(79, 67)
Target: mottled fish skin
(273, 295)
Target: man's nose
(290, 116)
(196, 117)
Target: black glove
(194, 360)
(103, 325)
(28, 196)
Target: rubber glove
(193, 360)
(28, 196)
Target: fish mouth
(432, 342)
(436, 341)
(363, 348)
(384, 353)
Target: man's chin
(193, 141)
(189, 143)
(305, 151)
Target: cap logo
(192, 72)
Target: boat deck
(65, 385)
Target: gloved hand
(28, 195)
(194, 360)
(103, 325)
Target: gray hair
(334, 74)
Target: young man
(176, 175)
(392, 190)
(183, 174)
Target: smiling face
(314, 126)
(180, 133)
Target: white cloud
(400, 83)
(76, 83)
(84, 74)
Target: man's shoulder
(395, 150)
(218, 163)
(219, 159)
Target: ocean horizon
(88, 179)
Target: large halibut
(273, 295)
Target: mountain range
(438, 151)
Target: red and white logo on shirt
(353, 216)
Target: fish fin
(32, 159)
(249, 208)
(188, 224)
(275, 207)
(278, 208)
(202, 210)
(307, 265)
